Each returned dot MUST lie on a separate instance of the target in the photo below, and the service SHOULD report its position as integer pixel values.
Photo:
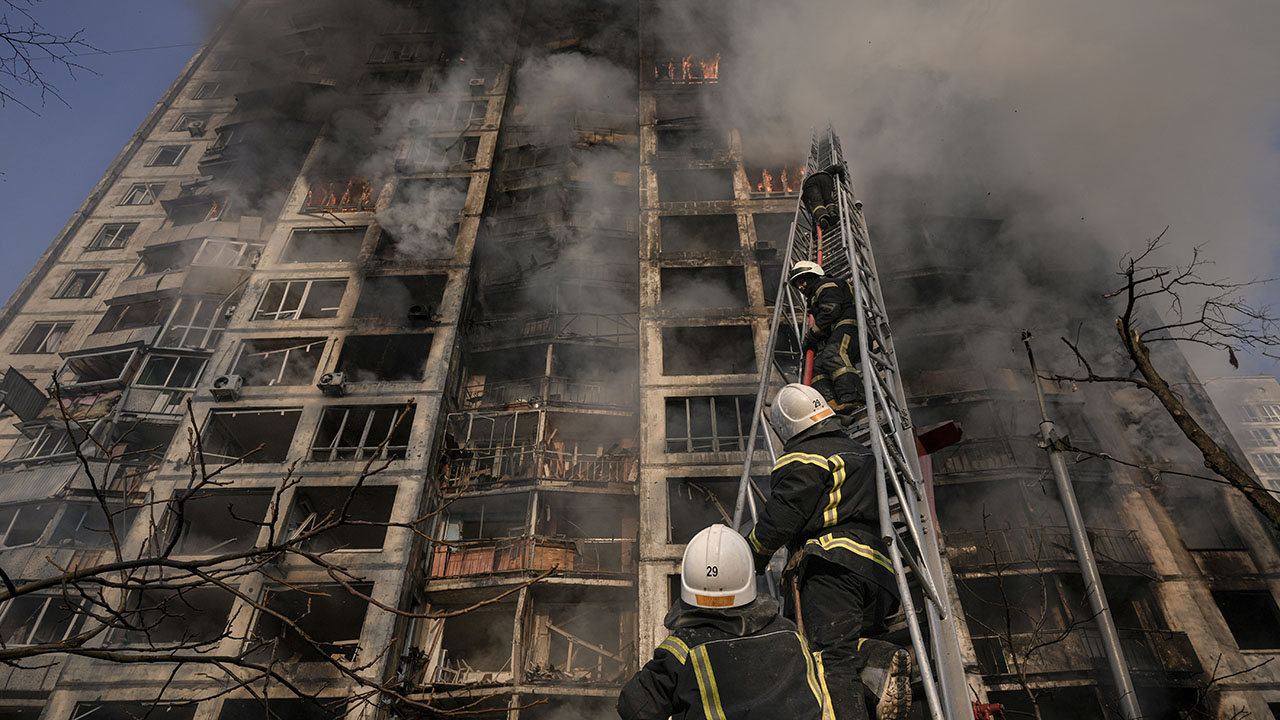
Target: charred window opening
(390, 81)
(698, 69)
(84, 525)
(775, 178)
(696, 502)
(280, 709)
(129, 316)
(232, 434)
(43, 338)
(99, 369)
(704, 287)
(708, 350)
(585, 533)
(986, 601)
(559, 708)
(384, 358)
(163, 259)
(1252, 617)
(402, 297)
(133, 711)
(197, 209)
(324, 245)
(1202, 516)
(476, 646)
(37, 618)
(699, 142)
(25, 524)
(771, 282)
(368, 508)
(288, 361)
(708, 423)
(359, 433)
(1057, 703)
(328, 614)
(350, 195)
(398, 51)
(438, 154)
(438, 116)
(43, 441)
(194, 616)
(485, 535)
(198, 322)
(694, 185)
(773, 229)
(423, 218)
(699, 233)
(300, 299)
(567, 644)
(216, 522)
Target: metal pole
(1084, 553)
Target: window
(698, 69)
(224, 62)
(1267, 462)
(134, 315)
(208, 91)
(1260, 437)
(186, 122)
(36, 619)
(401, 297)
(694, 503)
(441, 116)
(699, 233)
(316, 505)
(83, 525)
(397, 52)
(1265, 412)
(192, 617)
(189, 211)
(435, 154)
(170, 257)
(24, 524)
(43, 338)
(423, 217)
(80, 284)
(167, 156)
(355, 194)
(773, 229)
(288, 361)
(389, 81)
(1252, 617)
(101, 368)
(216, 522)
(373, 358)
(216, 252)
(704, 287)
(132, 711)
(280, 709)
(48, 441)
(112, 236)
(197, 322)
(694, 185)
(775, 178)
(708, 423)
(142, 194)
(170, 372)
(328, 614)
(356, 432)
(300, 299)
(700, 142)
(231, 434)
(708, 350)
(324, 245)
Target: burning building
(523, 258)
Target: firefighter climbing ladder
(843, 249)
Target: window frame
(46, 602)
(142, 194)
(212, 331)
(208, 90)
(156, 159)
(117, 234)
(64, 290)
(41, 347)
(279, 314)
(177, 358)
(364, 450)
(716, 438)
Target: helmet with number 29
(718, 570)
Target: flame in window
(689, 70)
(785, 178)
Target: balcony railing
(1044, 544)
(480, 469)
(580, 555)
(538, 391)
(1166, 652)
(611, 329)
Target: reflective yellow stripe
(707, 684)
(846, 321)
(802, 458)
(755, 544)
(822, 287)
(831, 515)
(810, 675)
(676, 647)
(828, 712)
(831, 542)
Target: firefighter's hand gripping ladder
(843, 249)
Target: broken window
(216, 522)
(282, 709)
(585, 533)
(703, 287)
(1202, 516)
(708, 350)
(697, 69)
(197, 322)
(397, 51)
(217, 252)
(39, 618)
(424, 216)
(191, 617)
(374, 358)
(352, 195)
(163, 259)
(142, 194)
(779, 178)
(112, 236)
(133, 711)
(1252, 617)
(476, 646)
(288, 361)
(192, 210)
(773, 228)
(699, 233)
(696, 502)
(231, 434)
(84, 525)
(388, 81)
(207, 91)
(567, 644)
(43, 441)
(25, 524)
(300, 299)
(324, 245)
(128, 316)
(80, 284)
(368, 508)
(44, 337)
(699, 142)
(328, 614)
(694, 185)
(402, 297)
(439, 116)
(356, 432)
(437, 154)
(99, 368)
(708, 423)
(167, 156)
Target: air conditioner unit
(476, 82)
(423, 313)
(226, 387)
(196, 128)
(333, 384)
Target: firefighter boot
(887, 676)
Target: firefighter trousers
(835, 367)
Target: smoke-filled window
(708, 350)
(215, 522)
(390, 81)
(694, 185)
(699, 233)
(375, 358)
(366, 508)
(708, 423)
(438, 154)
(694, 503)
(128, 316)
(349, 195)
(476, 646)
(219, 252)
(703, 287)
(328, 614)
(324, 244)
(402, 297)
(699, 142)
(363, 431)
(423, 218)
(279, 361)
(1252, 617)
(258, 436)
(300, 299)
(40, 618)
(773, 229)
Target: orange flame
(690, 69)
(781, 179)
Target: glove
(811, 342)
(762, 562)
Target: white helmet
(796, 408)
(718, 570)
(804, 267)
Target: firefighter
(730, 656)
(823, 508)
(833, 336)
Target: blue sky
(51, 161)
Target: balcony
(474, 470)
(539, 391)
(1117, 550)
(568, 555)
(619, 330)
(1149, 652)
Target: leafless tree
(123, 609)
(29, 52)
(1177, 304)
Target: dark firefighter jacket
(744, 663)
(832, 305)
(824, 501)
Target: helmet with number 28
(718, 570)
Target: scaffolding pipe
(1084, 553)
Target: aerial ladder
(840, 243)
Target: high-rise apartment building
(521, 256)
(1251, 407)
